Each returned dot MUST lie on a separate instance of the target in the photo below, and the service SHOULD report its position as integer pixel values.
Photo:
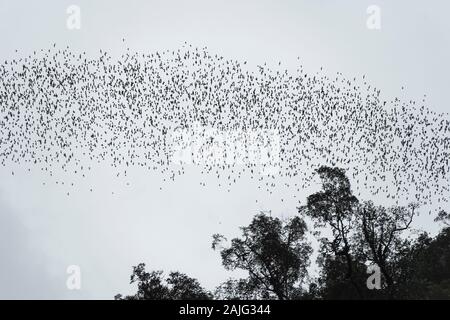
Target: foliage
(352, 235)
(153, 286)
(275, 254)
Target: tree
(333, 283)
(381, 239)
(361, 233)
(443, 217)
(153, 286)
(275, 254)
(426, 268)
(240, 289)
(334, 207)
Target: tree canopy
(356, 237)
(275, 254)
(153, 286)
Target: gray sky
(42, 231)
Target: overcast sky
(42, 231)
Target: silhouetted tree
(443, 217)
(380, 238)
(333, 282)
(361, 233)
(275, 254)
(153, 286)
(334, 207)
(241, 289)
(426, 268)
